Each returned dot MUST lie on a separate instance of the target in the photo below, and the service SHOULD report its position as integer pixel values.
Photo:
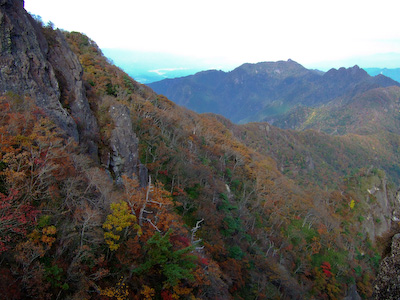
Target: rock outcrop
(24, 68)
(387, 285)
(69, 72)
(37, 62)
(352, 293)
(50, 73)
(124, 157)
(381, 207)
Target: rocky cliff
(24, 67)
(387, 285)
(123, 155)
(380, 206)
(37, 62)
(68, 72)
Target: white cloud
(237, 31)
(162, 72)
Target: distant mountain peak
(354, 73)
(280, 69)
(264, 90)
(354, 69)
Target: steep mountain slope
(172, 204)
(28, 64)
(369, 120)
(254, 92)
(373, 111)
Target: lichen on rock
(387, 284)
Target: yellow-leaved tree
(118, 223)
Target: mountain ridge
(254, 92)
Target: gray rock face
(387, 285)
(38, 62)
(47, 73)
(124, 157)
(352, 293)
(69, 72)
(24, 68)
(381, 204)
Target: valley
(271, 181)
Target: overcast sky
(310, 32)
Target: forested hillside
(111, 191)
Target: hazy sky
(308, 31)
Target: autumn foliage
(216, 219)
